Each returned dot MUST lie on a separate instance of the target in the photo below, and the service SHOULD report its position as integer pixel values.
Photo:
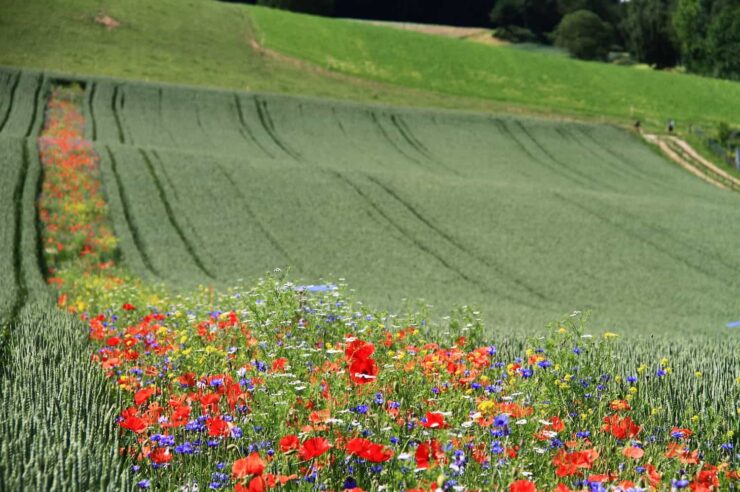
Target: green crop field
(526, 219)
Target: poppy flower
(313, 448)
(143, 395)
(134, 424)
(251, 465)
(160, 456)
(128, 307)
(434, 420)
(289, 443)
(633, 452)
(359, 350)
(426, 451)
(620, 428)
(368, 450)
(217, 427)
(522, 486)
(363, 371)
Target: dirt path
(683, 154)
(477, 34)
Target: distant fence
(726, 154)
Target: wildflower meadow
(287, 386)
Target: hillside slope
(216, 44)
(526, 218)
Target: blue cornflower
(527, 373)
(576, 350)
(144, 484)
(631, 379)
(556, 443)
(727, 446)
(379, 399)
(497, 447)
(185, 448)
(544, 364)
(501, 420)
(350, 483)
(361, 409)
(660, 373)
(679, 484)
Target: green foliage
(723, 40)
(584, 35)
(651, 37)
(709, 33)
(723, 133)
(538, 16)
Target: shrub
(584, 35)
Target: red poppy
(653, 475)
(363, 371)
(217, 427)
(128, 307)
(570, 463)
(313, 448)
(134, 424)
(620, 428)
(160, 456)
(434, 420)
(289, 443)
(426, 451)
(278, 365)
(143, 395)
(251, 465)
(359, 350)
(522, 486)
(633, 452)
(257, 484)
(368, 450)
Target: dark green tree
(539, 16)
(723, 40)
(649, 30)
(584, 35)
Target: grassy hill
(210, 43)
(526, 218)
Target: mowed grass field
(162, 41)
(527, 219)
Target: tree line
(703, 36)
